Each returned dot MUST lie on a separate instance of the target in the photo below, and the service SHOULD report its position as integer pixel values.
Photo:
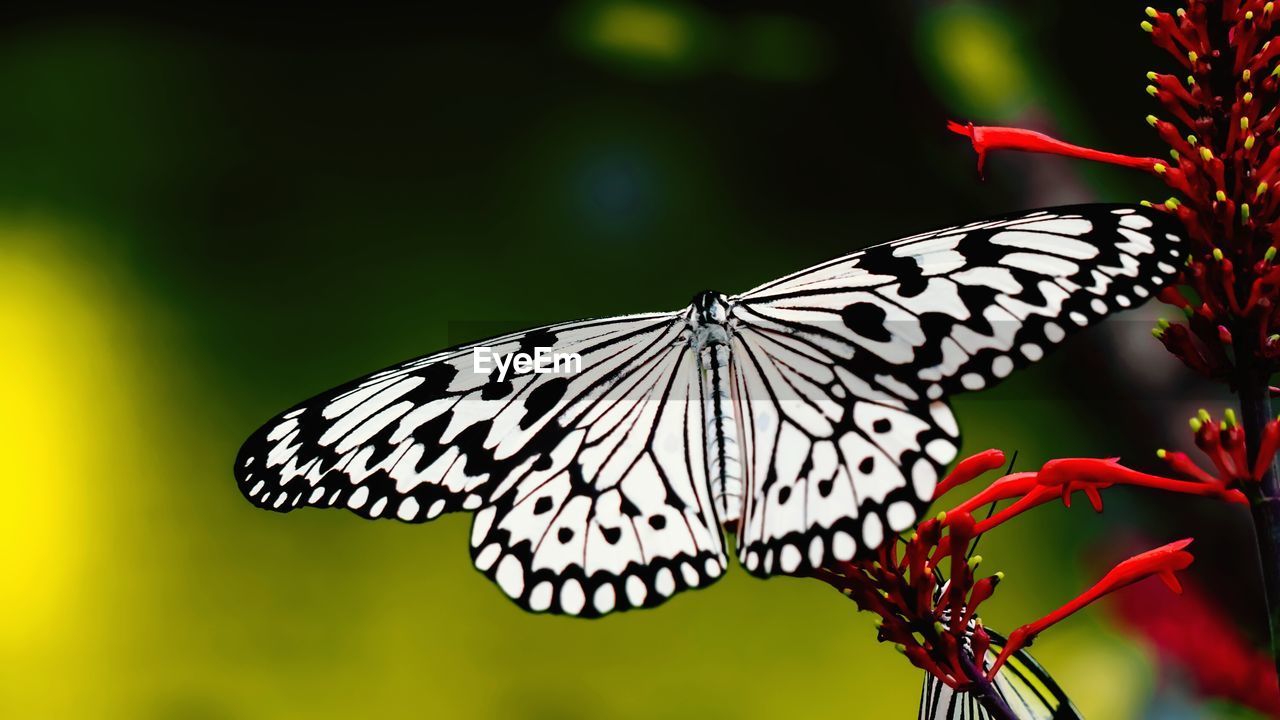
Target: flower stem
(1253, 386)
(984, 691)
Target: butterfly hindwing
(621, 516)
(833, 465)
(1026, 687)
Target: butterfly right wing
(1027, 688)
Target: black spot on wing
(436, 378)
(542, 400)
(867, 320)
(496, 390)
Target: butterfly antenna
(991, 509)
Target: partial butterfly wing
(591, 489)
(831, 463)
(1027, 688)
(841, 370)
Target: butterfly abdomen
(724, 465)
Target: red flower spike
(986, 139)
(924, 587)
(1162, 562)
(1226, 148)
(1224, 444)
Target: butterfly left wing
(1026, 687)
(589, 489)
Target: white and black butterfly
(807, 415)
(1026, 687)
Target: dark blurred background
(208, 213)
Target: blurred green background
(207, 215)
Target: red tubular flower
(986, 139)
(968, 469)
(1161, 562)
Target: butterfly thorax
(709, 335)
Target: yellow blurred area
(974, 57)
(645, 36)
(69, 402)
(642, 29)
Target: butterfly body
(710, 330)
(808, 415)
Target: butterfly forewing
(431, 435)
(961, 308)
